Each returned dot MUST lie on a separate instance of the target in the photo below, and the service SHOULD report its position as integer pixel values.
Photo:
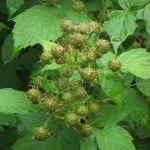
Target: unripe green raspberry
(114, 65)
(57, 51)
(91, 56)
(34, 95)
(83, 28)
(49, 104)
(78, 6)
(88, 74)
(39, 81)
(103, 46)
(77, 40)
(67, 97)
(94, 108)
(86, 130)
(66, 71)
(71, 119)
(41, 133)
(67, 26)
(80, 93)
(82, 60)
(94, 27)
(62, 84)
(97, 53)
(82, 111)
(46, 57)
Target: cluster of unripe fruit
(73, 105)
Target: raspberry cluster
(73, 104)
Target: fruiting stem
(132, 85)
(46, 123)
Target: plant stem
(46, 123)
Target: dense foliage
(75, 74)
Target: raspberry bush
(75, 75)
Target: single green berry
(71, 119)
(39, 81)
(41, 133)
(80, 93)
(62, 84)
(67, 97)
(82, 111)
(91, 56)
(49, 104)
(34, 95)
(88, 74)
(46, 57)
(114, 65)
(94, 27)
(83, 28)
(97, 53)
(78, 6)
(94, 108)
(103, 46)
(86, 130)
(67, 26)
(82, 59)
(66, 71)
(77, 40)
(57, 51)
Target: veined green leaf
(136, 61)
(132, 4)
(144, 14)
(12, 101)
(112, 86)
(114, 138)
(120, 26)
(41, 23)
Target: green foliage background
(26, 27)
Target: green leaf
(41, 23)
(12, 101)
(92, 40)
(31, 121)
(93, 5)
(125, 23)
(110, 114)
(144, 14)
(50, 87)
(88, 143)
(137, 107)
(9, 76)
(2, 26)
(7, 49)
(8, 119)
(128, 78)
(47, 45)
(132, 4)
(143, 86)
(13, 6)
(27, 142)
(112, 86)
(136, 61)
(76, 76)
(52, 66)
(114, 138)
(69, 139)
